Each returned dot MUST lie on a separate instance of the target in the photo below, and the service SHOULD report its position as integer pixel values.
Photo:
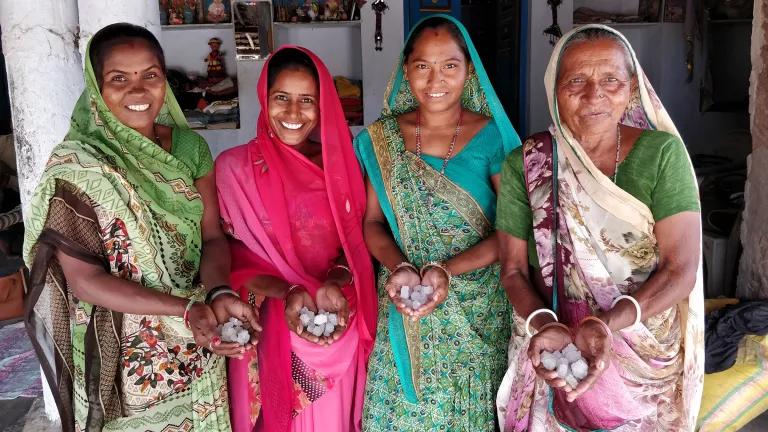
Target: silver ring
(601, 96)
(210, 345)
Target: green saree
(441, 372)
(111, 197)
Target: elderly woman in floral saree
(604, 206)
(432, 162)
(121, 227)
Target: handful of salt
(416, 297)
(321, 324)
(568, 363)
(233, 331)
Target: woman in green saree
(432, 163)
(122, 222)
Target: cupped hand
(204, 326)
(404, 276)
(229, 306)
(437, 278)
(330, 298)
(549, 338)
(593, 339)
(297, 300)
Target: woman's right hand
(204, 326)
(296, 300)
(551, 337)
(404, 276)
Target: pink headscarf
(252, 181)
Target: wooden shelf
(320, 24)
(197, 26)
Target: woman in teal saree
(432, 163)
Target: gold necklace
(450, 148)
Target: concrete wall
(753, 278)
(660, 49)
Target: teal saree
(441, 372)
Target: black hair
(436, 23)
(117, 34)
(290, 59)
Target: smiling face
(436, 70)
(294, 109)
(133, 84)
(594, 86)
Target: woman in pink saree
(292, 201)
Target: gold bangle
(436, 264)
(343, 267)
(291, 289)
(405, 264)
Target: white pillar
(95, 14)
(45, 79)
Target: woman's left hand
(437, 278)
(229, 306)
(594, 341)
(330, 298)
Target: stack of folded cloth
(223, 114)
(351, 96)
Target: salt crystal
(549, 362)
(579, 369)
(572, 356)
(233, 331)
(243, 337)
(571, 381)
(333, 319)
(416, 304)
(318, 330)
(571, 348)
(562, 370)
(405, 292)
(321, 319)
(562, 361)
(428, 290)
(304, 319)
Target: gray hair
(596, 34)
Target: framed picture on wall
(435, 6)
(217, 11)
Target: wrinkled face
(593, 86)
(436, 70)
(133, 84)
(294, 109)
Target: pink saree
(290, 219)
